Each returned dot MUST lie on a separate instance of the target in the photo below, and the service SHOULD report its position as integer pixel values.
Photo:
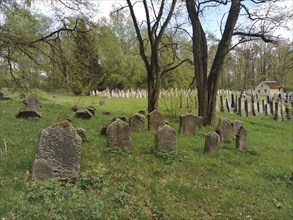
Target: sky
(212, 20)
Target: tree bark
(207, 85)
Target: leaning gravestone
(165, 138)
(118, 135)
(58, 153)
(241, 138)
(187, 125)
(155, 120)
(212, 142)
(83, 113)
(136, 122)
(225, 129)
(31, 109)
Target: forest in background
(85, 55)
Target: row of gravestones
(244, 106)
(59, 146)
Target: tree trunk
(207, 85)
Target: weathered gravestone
(83, 113)
(118, 135)
(81, 132)
(91, 109)
(241, 138)
(277, 114)
(237, 125)
(212, 142)
(155, 120)
(165, 138)
(225, 129)
(31, 109)
(58, 153)
(187, 125)
(136, 122)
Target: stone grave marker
(58, 153)
(31, 109)
(83, 113)
(278, 113)
(165, 138)
(187, 124)
(155, 120)
(118, 135)
(241, 138)
(212, 142)
(237, 125)
(225, 129)
(137, 122)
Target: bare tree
(157, 18)
(207, 80)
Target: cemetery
(171, 159)
(147, 110)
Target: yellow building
(268, 88)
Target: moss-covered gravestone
(58, 153)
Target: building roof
(273, 84)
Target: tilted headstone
(225, 129)
(187, 124)
(212, 142)
(241, 138)
(58, 153)
(155, 120)
(83, 113)
(91, 109)
(137, 122)
(81, 132)
(118, 135)
(31, 109)
(165, 138)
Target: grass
(142, 183)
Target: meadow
(142, 183)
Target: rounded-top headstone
(225, 129)
(187, 125)
(155, 120)
(136, 122)
(118, 135)
(212, 142)
(58, 153)
(165, 138)
(236, 125)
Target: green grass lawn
(142, 183)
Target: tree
(156, 22)
(207, 80)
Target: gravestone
(137, 122)
(237, 125)
(241, 106)
(165, 138)
(118, 135)
(31, 109)
(278, 114)
(102, 102)
(225, 129)
(58, 153)
(83, 113)
(187, 125)
(199, 122)
(91, 109)
(212, 142)
(81, 132)
(155, 120)
(241, 138)
(3, 97)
